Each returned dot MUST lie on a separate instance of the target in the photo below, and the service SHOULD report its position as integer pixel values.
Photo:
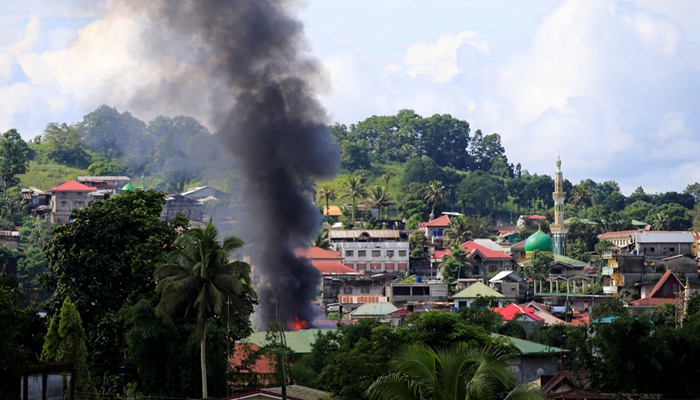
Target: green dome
(538, 241)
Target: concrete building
(372, 251)
(67, 197)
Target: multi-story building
(371, 251)
(67, 197)
(113, 183)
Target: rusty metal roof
(369, 234)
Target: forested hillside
(171, 153)
(394, 159)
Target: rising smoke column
(261, 93)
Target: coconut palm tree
(463, 200)
(387, 178)
(463, 372)
(322, 240)
(379, 197)
(199, 276)
(435, 195)
(460, 230)
(659, 222)
(580, 196)
(355, 188)
(328, 194)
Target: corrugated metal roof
(477, 289)
(102, 178)
(527, 347)
(299, 341)
(371, 233)
(437, 222)
(501, 275)
(374, 309)
(663, 237)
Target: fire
(297, 324)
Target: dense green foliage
(104, 260)
(460, 373)
(201, 276)
(65, 342)
(20, 338)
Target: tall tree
(379, 197)
(14, 157)
(328, 193)
(460, 230)
(65, 342)
(435, 195)
(581, 196)
(200, 276)
(64, 145)
(460, 373)
(104, 260)
(355, 188)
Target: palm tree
(463, 200)
(200, 276)
(659, 222)
(322, 240)
(328, 193)
(463, 372)
(580, 196)
(387, 178)
(354, 189)
(460, 230)
(435, 195)
(379, 197)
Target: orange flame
(297, 324)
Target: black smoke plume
(245, 61)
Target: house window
(669, 249)
(390, 253)
(79, 204)
(80, 193)
(364, 289)
(492, 268)
(362, 253)
(376, 253)
(347, 290)
(64, 204)
(402, 253)
(349, 253)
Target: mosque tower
(558, 229)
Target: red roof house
(436, 227)
(334, 268)
(514, 311)
(663, 292)
(72, 186)
(319, 254)
(247, 359)
(485, 261)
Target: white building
(371, 251)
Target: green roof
(128, 187)
(299, 341)
(528, 348)
(561, 259)
(539, 241)
(639, 223)
(374, 310)
(568, 221)
(477, 289)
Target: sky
(612, 87)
